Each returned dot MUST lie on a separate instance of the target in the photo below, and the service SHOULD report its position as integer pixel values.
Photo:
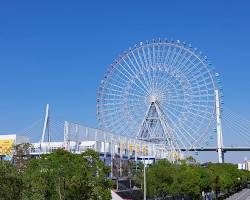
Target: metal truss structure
(164, 92)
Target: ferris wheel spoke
(194, 70)
(198, 75)
(170, 56)
(204, 114)
(176, 57)
(157, 46)
(188, 64)
(182, 64)
(111, 110)
(189, 113)
(153, 66)
(147, 67)
(162, 50)
(157, 65)
(180, 140)
(191, 127)
(117, 87)
(117, 99)
(166, 129)
(140, 67)
(158, 68)
(137, 72)
(136, 84)
(180, 61)
(113, 104)
(166, 57)
(199, 136)
(174, 126)
(150, 66)
(121, 92)
(169, 127)
(181, 130)
(158, 78)
(143, 64)
(123, 127)
(116, 111)
(166, 87)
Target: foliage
(10, 182)
(160, 178)
(57, 176)
(226, 177)
(65, 176)
(189, 178)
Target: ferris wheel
(159, 91)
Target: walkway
(242, 195)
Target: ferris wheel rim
(202, 59)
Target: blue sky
(58, 51)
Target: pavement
(242, 195)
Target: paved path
(243, 195)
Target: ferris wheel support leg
(219, 128)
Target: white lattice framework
(76, 137)
(160, 91)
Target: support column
(66, 136)
(46, 129)
(111, 156)
(219, 128)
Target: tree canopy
(62, 175)
(58, 176)
(188, 178)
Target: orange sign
(6, 147)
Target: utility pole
(219, 128)
(145, 186)
(111, 156)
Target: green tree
(10, 182)
(206, 179)
(159, 178)
(223, 179)
(186, 182)
(63, 175)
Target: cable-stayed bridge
(64, 134)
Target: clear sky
(58, 51)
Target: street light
(144, 177)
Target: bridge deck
(225, 149)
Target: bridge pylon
(46, 132)
(219, 128)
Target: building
(7, 142)
(242, 166)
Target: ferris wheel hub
(153, 98)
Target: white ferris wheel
(159, 91)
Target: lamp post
(144, 177)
